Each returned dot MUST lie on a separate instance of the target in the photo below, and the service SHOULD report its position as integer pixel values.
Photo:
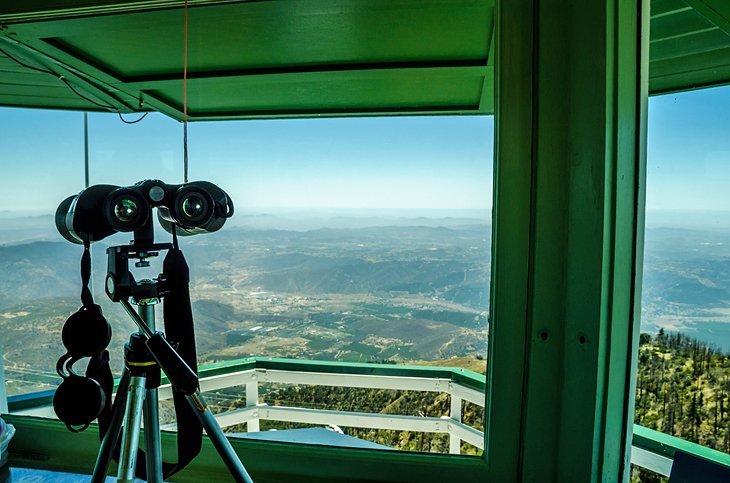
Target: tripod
(145, 354)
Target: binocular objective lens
(194, 207)
(125, 210)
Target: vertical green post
(510, 237)
(567, 244)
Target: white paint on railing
(326, 417)
(651, 461)
(3, 394)
(466, 433)
(356, 419)
(455, 414)
(467, 394)
(38, 411)
(402, 383)
(252, 400)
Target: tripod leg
(113, 432)
(219, 440)
(130, 436)
(152, 437)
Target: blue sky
(364, 163)
(688, 152)
(367, 163)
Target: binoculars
(102, 210)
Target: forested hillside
(683, 389)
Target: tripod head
(120, 283)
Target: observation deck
(247, 379)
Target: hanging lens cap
(78, 401)
(86, 332)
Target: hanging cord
(132, 122)
(68, 84)
(185, 93)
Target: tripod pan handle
(182, 378)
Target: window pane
(353, 240)
(684, 362)
(42, 153)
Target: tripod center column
(146, 310)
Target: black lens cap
(86, 332)
(78, 401)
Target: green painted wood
(274, 34)
(238, 50)
(667, 7)
(639, 176)
(679, 24)
(511, 217)
(665, 445)
(689, 46)
(698, 43)
(276, 59)
(47, 444)
(22, 65)
(32, 10)
(582, 253)
(391, 90)
(693, 72)
(716, 11)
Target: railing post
(455, 414)
(252, 400)
(3, 393)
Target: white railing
(254, 410)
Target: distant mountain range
(341, 292)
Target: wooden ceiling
(286, 58)
(255, 59)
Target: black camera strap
(86, 298)
(98, 367)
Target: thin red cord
(185, 94)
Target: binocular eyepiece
(102, 210)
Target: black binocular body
(102, 210)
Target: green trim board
(511, 214)
(47, 444)
(666, 445)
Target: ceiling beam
(716, 11)
(97, 93)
